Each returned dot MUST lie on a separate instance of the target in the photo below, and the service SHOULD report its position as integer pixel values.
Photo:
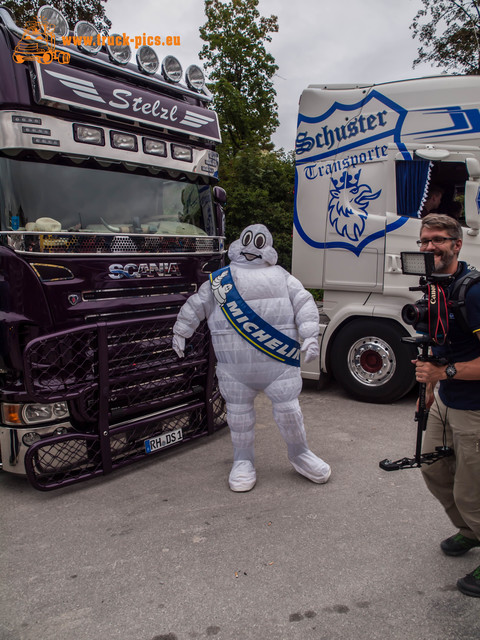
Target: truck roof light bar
(119, 53)
(195, 78)
(88, 135)
(53, 21)
(180, 152)
(147, 60)
(124, 141)
(172, 69)
(155, 147)
(159, 80)
(88, 33)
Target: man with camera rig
(454, 415)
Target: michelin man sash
(259, 333)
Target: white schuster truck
(367, 157)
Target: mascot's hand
(311, 349)
(178, 344)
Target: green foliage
(74, 10)
(259, 186)
(317, 294)
(240, 72)
(451, 39)
(259, 181)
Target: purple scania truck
(110, 219)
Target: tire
(371, 363)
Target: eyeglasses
(437, 241)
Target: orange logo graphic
(38, 43)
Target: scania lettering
(149, 270)
(111, 217)
(367, 157)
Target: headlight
(172, 69)
(182, 153)
(195, 77)
(120, 53)
(53, 21)
(155, 147)
(33, 413)
(88, 135)
(60, 410)
(147, 60)
(30, 438)
(125, 141)
(90, 42)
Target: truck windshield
(97, 200)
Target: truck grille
(68, 243)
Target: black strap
(458, 295)
(437, 314)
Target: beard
(443, 261)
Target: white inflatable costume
(242, 369)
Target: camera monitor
(417, 263)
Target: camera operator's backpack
(457, 297)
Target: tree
(259, 186)
(259, 181)
(452, 37)
(241, 71)
(74, 10)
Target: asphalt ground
(165, 551)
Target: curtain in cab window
(412, 179)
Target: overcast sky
(319, 41)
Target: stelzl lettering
(149, 270)
(76, 87)
(126, 101)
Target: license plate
(164, 440)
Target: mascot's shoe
(242, 476)
(458, 544)
(312, 467)
(470, 584)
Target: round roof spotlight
(118, 52)
(53, 21)
(147, 60)
(89, 35)
(171, 69)
(195, 77)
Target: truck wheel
(371, 363)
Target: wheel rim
(371, 361)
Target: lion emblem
(347, 207)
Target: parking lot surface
(165, 551)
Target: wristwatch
(451, 371)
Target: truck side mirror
(472, 196)
(472, 205)
(220, 199)
(220, 196)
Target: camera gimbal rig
(430, 317)
(421, 416)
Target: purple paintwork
(68, 85)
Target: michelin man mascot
(255, 312)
